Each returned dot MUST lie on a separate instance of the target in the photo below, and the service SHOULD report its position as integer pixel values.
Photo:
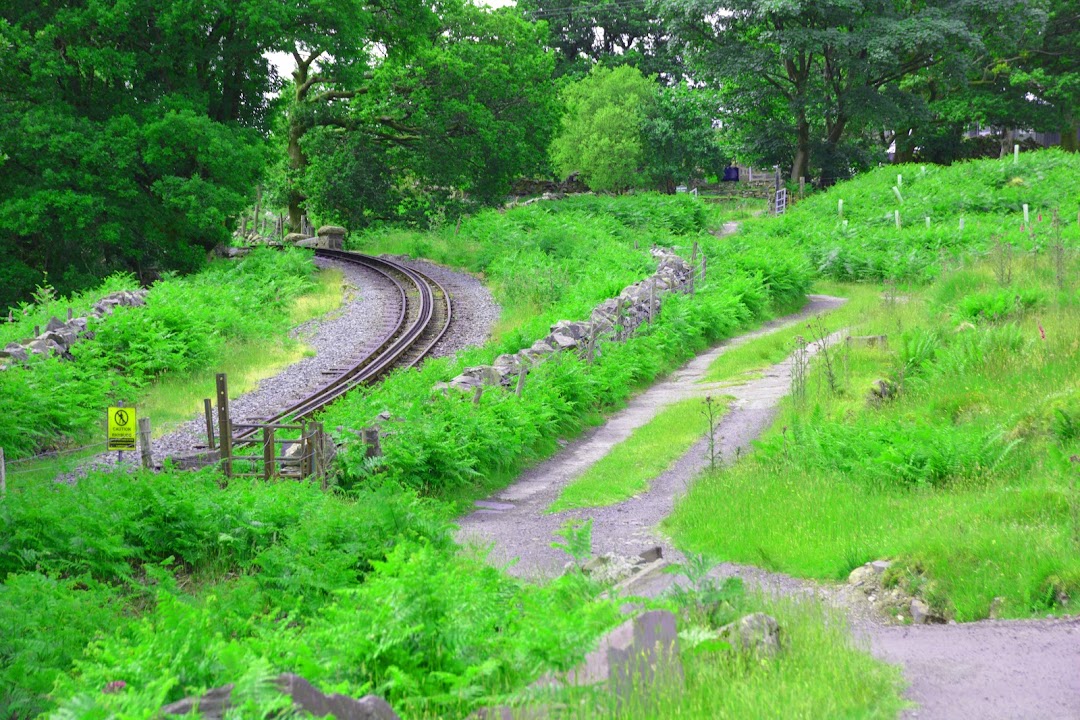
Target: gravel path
(988, 669)
(371, 306)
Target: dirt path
(989, 669)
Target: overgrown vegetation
(946, 452)
(187, 585)
(443, 443)
(187, 324)
(971, 206)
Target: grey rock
(294, 237)
(757, 633)
(561, 341)
(880, 566)
(331, 237)
(864, 577)
(485, 374)
(214, 703)
(15, 352)
(921, 614)
(631, 656)
(211, 705)
(306, 697)
(54, 323)
(653, 553)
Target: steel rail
(405, 345)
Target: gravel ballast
(337, 340)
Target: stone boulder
(213, 704)
(331, 237)
(758, 633)
(294, 238)
(641, 651)
(922, 614)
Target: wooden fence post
(477, 394)
(269, 463)
(224, 424)
(520, 381)
(802, 186)
(319, 466)
(208, 411)
(145, 450)
(3, 474)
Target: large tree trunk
(1069, 137)
(800, 165)
(297, 164)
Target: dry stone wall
(59, 335)
(615, 318)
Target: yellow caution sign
(122, 428)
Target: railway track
(422, 321)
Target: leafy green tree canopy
(601, 135)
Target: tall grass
(954, 476)
(988, 195)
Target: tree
(601, 135)
(1050, 71)
(336, 44)
(132, 135)
(623, 130)
(837, 65)
(608, 32)
(471, 108)
(679, 136)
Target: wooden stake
(224, 425)
(208, 411)
(269, 463)
(145, 449)
(520, 382)
(477, 394)
(258, 206)
(3, 474)
(802, 186)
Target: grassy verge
(743, 362)
(176, 398)
(960, 472)
(819, 675)
(633, 463)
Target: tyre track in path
(988, 669)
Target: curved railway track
(423, 319)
